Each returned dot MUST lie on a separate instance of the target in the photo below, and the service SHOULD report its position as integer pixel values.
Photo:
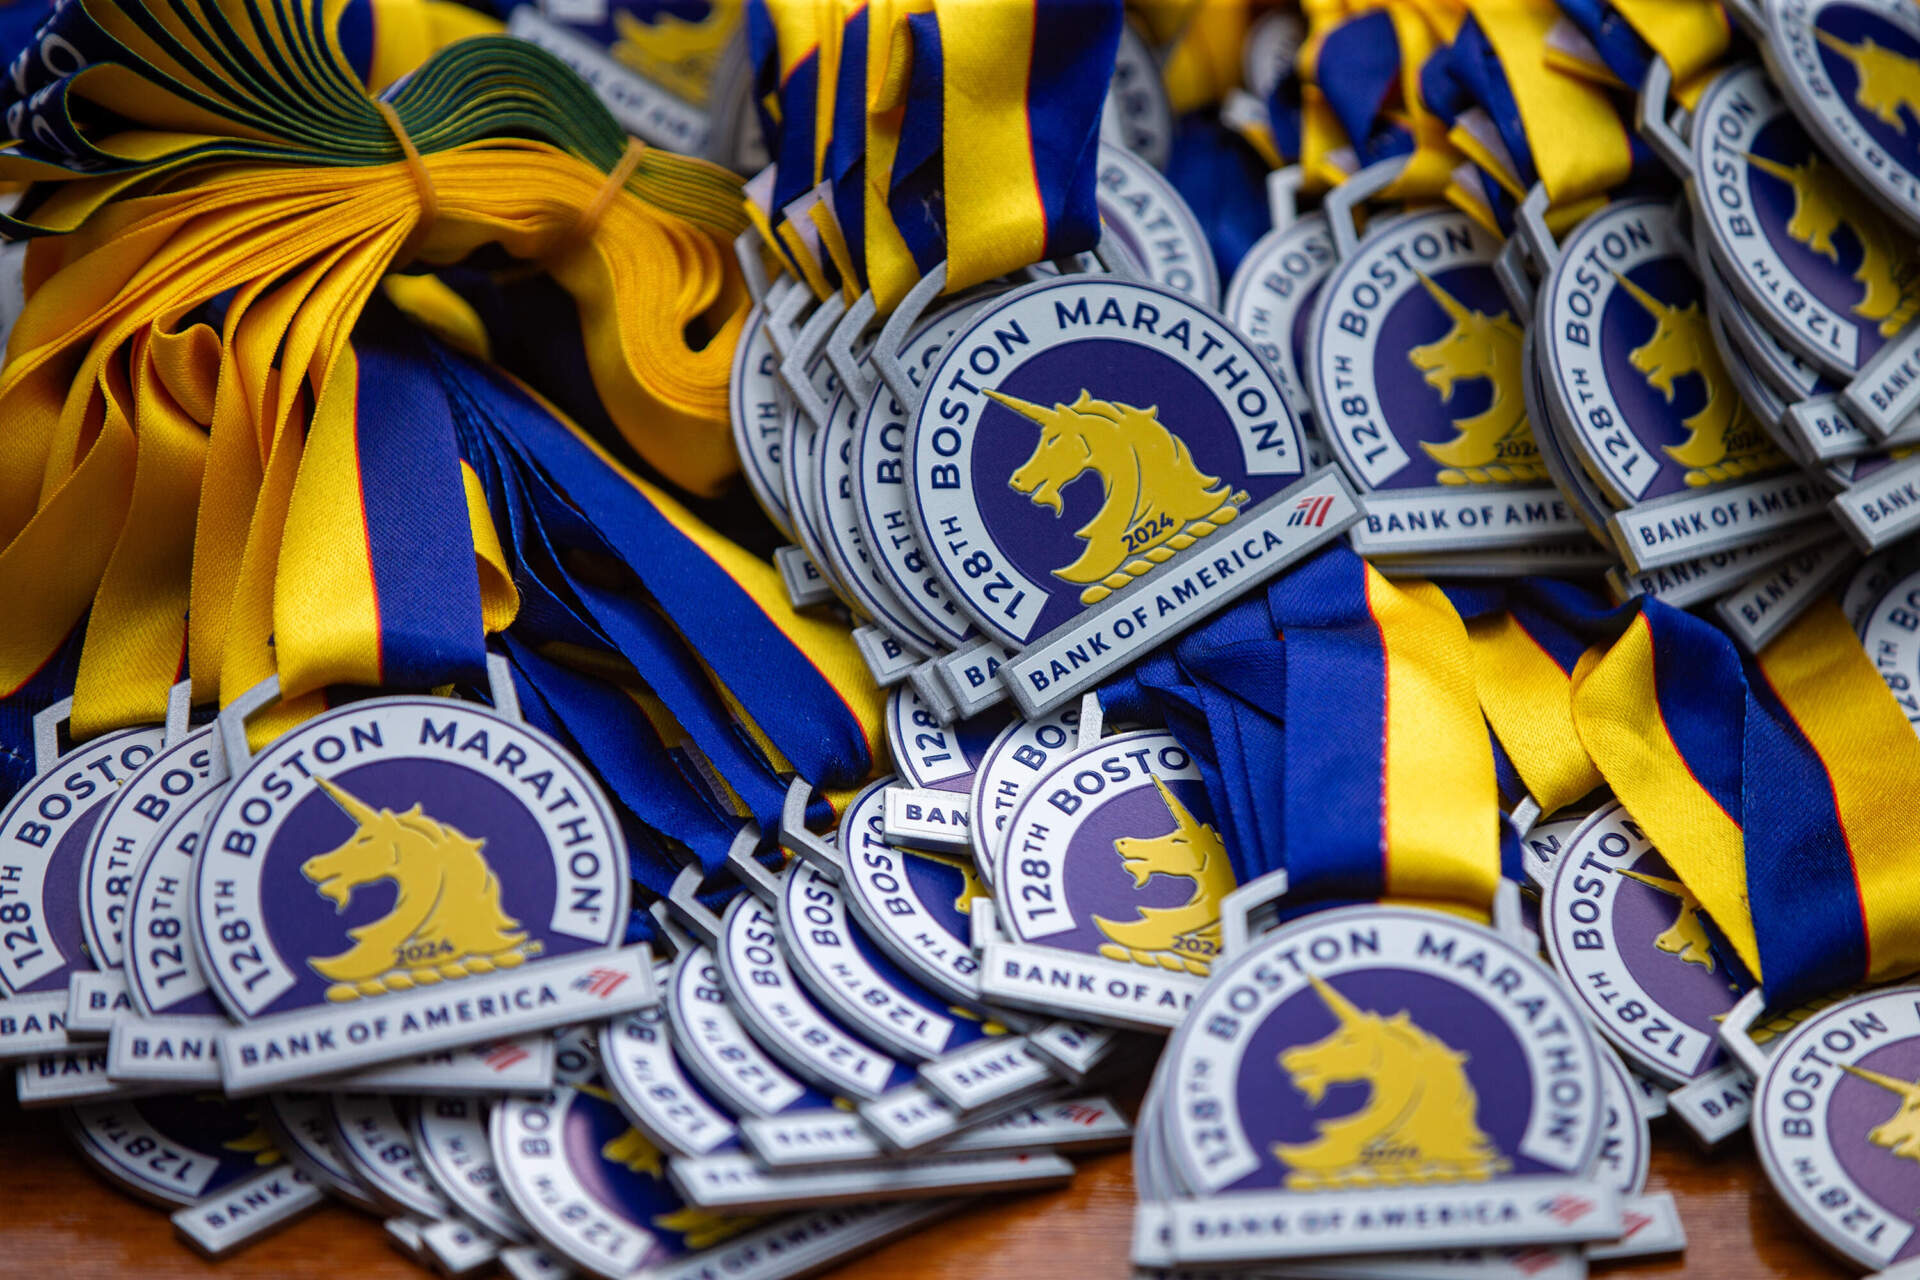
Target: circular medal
(451, 1136)
(1268, 54)
(1851, 68)
(1151, 221)
(1631, 365)
(1081, 431)
(301, 1125)
(1377, 1047)
(164, 977)
(1016, 759)
(929, 754)
(1824, 269)
(1785, 373)
(126, 829)
(1413, 360)
(880, 491)
(375, 1134)
(758, 408)
(1833, 1121)
(1137, 115)
(1626, 1148)
(914, 905)
(1569, 477)
(717, 1049)
(853, 563)
(1890, 634)
(1633, 946)
(800, 467)
(867, 992)
(1114, 853)
(784, 1018)
(673, 1112)
(1861, 597)
(502, 846)
(174, 1149)
(43, 844)
(1271, 302)
(593, 1187)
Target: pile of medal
(664, 639)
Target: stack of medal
(294, 951)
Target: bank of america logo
(504, 1055)
(1311, 512)
(1567, 1209)
(599, 983)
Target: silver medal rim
(773, 503)
(847, 1010)
(877, 925)
(1567, 476)
(1187, 224)
(631, 1094)
(454, 1187)
(134, 968)
(802, 484)
(395, 1193)
(1273, 244)
(97, 838)
(717, 1085)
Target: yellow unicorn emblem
(1495, 446)
(674, 53)
(1157, 499)
(1888, 80)
(1901, 1132)
(971, 885)
(698, 1227)
(1420, 1123)
(255, 1142)
(1723, 440)
(1183, 937)
(446, 920)
(1686, 937)
(1889, 294)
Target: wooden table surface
(57, 1220)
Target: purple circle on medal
(65, 927)
(1094, 872)
(1416, 411)
(1301, 1047)
(304, 924)
(1857, 1109)
(1645, 926)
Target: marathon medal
(1381, 1080)
(880, 490)
(1075, 523)
(1017, 759)
(43, 842)
(1828, 271)
(1111, 874)
(514, 896)
(595, 1190)
(759, 413)
(1849, 69)
(211, 1157)
(1890, 633)
(116, 853)
(1631, 942)
(674, 1112)
(1632, 370)
(1149, 220)
(1137, 115)
(375, 1135)
(1414, 368)
(930, 805)
(800, 463)
(302, 1127)
(450, 1137)
(1833, 1123)
(1271, 300)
